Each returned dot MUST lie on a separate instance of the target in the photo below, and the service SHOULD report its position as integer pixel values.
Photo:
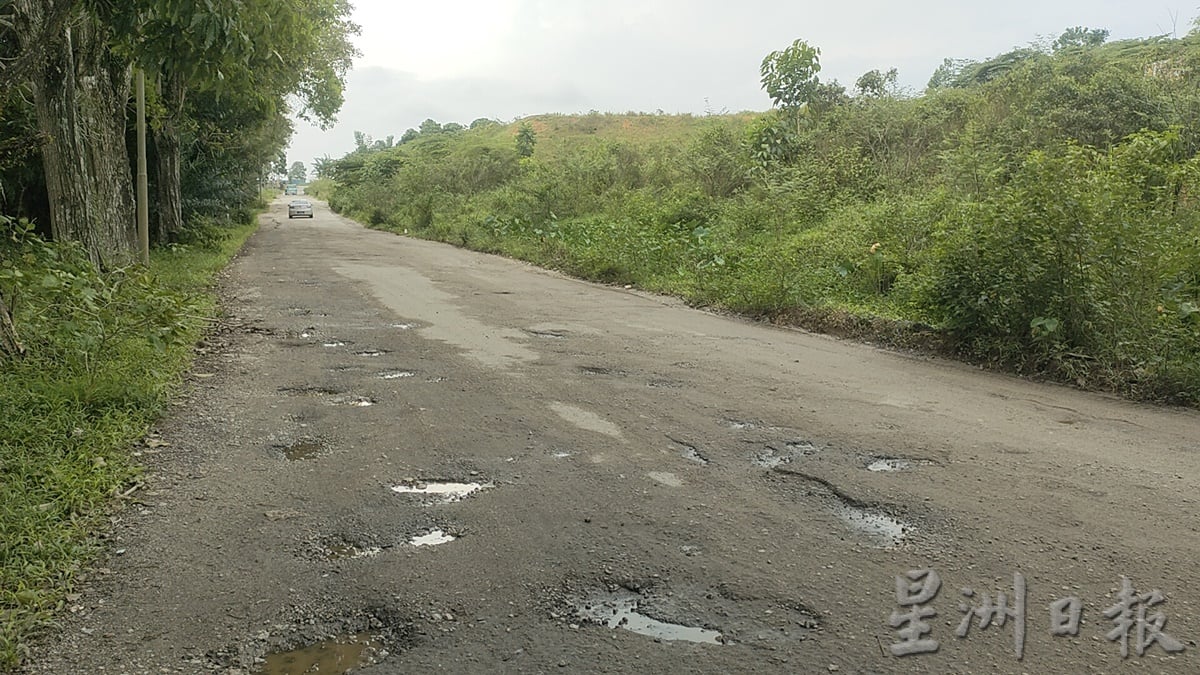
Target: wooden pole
(143, 192)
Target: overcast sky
(503, 59)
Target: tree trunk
(80, 91)
(167, 185)
(10, 346)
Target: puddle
(404, 326)
(353, 401)
(396, 374)
(303, 449)
(344, 551)
(561, 455)
(335, 343)
(740, 425)
(449, 492)
(371, 353)
(339, 655)
(620, 611)
(880, 528)
(666, 478)
(435, 380)
(433, 538)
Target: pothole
(546, 334)
(601, 370)
(340, 654)
(305, 448)
(395, 374)
(663, 384)
(353, 401)
(772, 456)
(347, 551)
(432, 538)
(371, 353)
(690, 452)
(445, 491)
(308, 390)
(880, 528)
(891, 464)
(620, 610)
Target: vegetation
(104, 353)
(90, 345)
(1036, 211)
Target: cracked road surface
(473, 465)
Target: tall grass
(105, 353)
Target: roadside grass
(106, 352)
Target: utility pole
(143, 198)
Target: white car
(300, 208)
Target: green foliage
(526, 139)
(789, 75)
(104, 352)
(298, 173)
(1036, 210)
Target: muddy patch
(621, 610)
(302, 449)
(869, 521)
(340, 654)
(441, 491)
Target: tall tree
(298, 173)
(80, 90)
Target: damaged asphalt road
(407, 457)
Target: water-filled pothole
(445, 491)
(302, 449)
(340, 654)
(620, 610)
(877, 526)
(395, 374)
(404, 326)
(371, 353)
(335, 343)
(353, 401)
(432, 538)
